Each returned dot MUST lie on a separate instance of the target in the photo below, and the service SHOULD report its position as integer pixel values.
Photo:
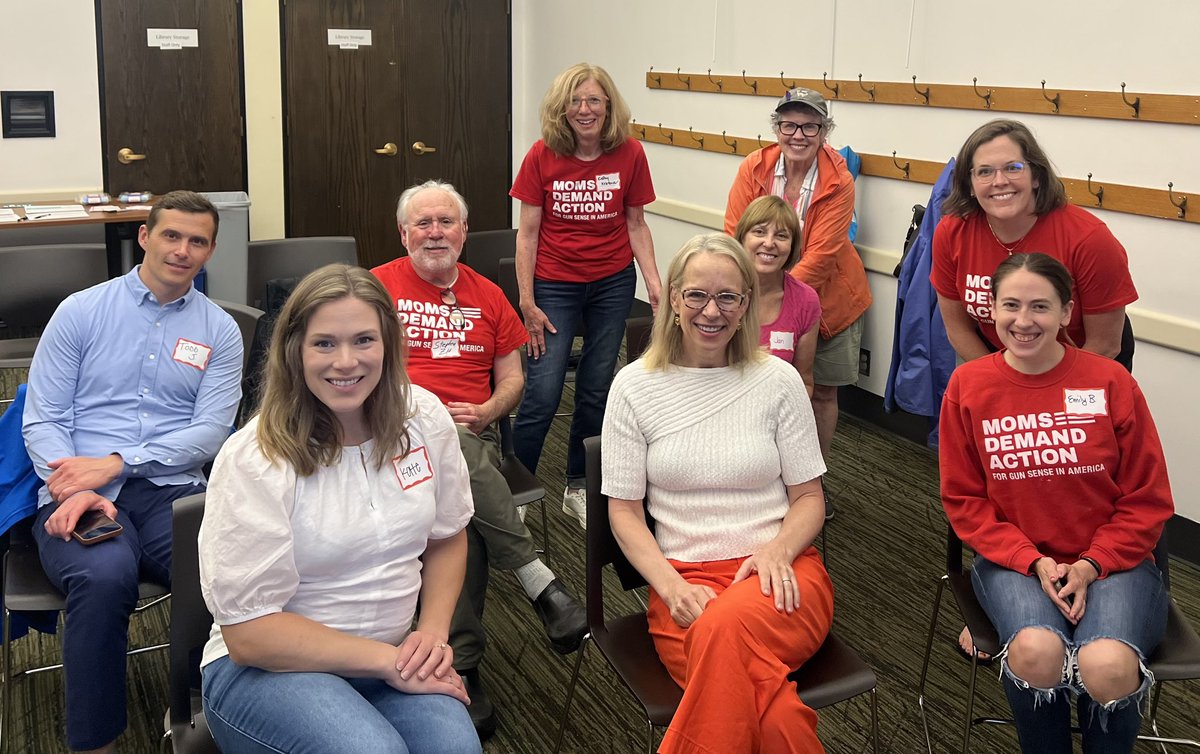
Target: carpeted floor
(884, 552)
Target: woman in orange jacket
(812, 177)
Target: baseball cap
(806, 97)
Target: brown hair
(293, 425)
(771, 209)
(666, 339)
(1049, 194)
(185, 201)
(1054, 271)
(556, 131)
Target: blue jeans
(602, 307)
(257, 711)
(1130, 606)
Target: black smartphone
(94, 526)
(1058, 585)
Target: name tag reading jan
(191, 353)
(782, 341)
(444, 348)
(414, 468)
(1090, 402)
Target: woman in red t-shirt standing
(582, 187)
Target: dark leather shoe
(563, 617)
(483, 714)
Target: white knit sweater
(711, 450)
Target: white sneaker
(575, 505)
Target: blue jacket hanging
(854, 165)
(922, 357)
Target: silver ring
(787, 581)
(442, 645)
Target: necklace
(1009, 249)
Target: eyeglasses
(457, 318)
(987, 173)
(727, 301)
(594, 103)
(789, 128)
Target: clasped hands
(1066, 585)
(72, 484)
(424, 665)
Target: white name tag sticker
(1089, 402)
(191, 353)
(783, 341)
(444, 348)
(608, 182)
(414, 468)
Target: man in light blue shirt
(133, 388)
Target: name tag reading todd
(191, 353)
(413, 468)
(1085, 402)
(444, 348)
(782, 341)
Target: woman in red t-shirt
(1053, 473)
(582, 187)
(789, 309)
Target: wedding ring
(442, 645)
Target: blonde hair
(293, 425)
(771, 209)
(556, 131)
(666, 339)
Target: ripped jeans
(1130, 607)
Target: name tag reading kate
(191, 353)
(444, 348)
(414, 468)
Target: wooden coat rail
(1135, 200)
(1116, 105)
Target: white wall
(1072, 47)
(51, 45)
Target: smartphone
(1058, 585)
(94, 526)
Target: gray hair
(827, 124)
(411, 191)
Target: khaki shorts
(836, 362)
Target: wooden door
(436, 72)
(180, 108)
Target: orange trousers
(733, 661)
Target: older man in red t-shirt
(463, 345)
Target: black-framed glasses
(789, 128)
(727, 301)
(457, 318)
(987, 173)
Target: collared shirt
(116, 372)
(779, 188)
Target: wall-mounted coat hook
(752, 84)
(1055, 101)
(687, 81)
(719, 82)
(656, 79)
(870, 92)
(1136, 105)
(669, 135)
(1180, 205)
(731, 144)
(924, 94)
(698, 140)
(836, 86)
(786, 85)
(758, 138)
(1098, 193)
(987, 98)
(902, 168)
(639, 128)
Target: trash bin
(226, 271)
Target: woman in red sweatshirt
(1053, 473)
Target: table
(120, 229)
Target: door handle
(419, 148)
(125, 155)
(389, 150)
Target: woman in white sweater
(717, 441)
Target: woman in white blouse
(319, 515)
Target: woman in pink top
(788, 308)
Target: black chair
(246, 318)
(637, 336)
(27, 588)
(484, 249)
(834, 674)
(292, 258)
(1176, 659)
(34, 280)
(184, 725)
(523, 485)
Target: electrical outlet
(864, 362)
